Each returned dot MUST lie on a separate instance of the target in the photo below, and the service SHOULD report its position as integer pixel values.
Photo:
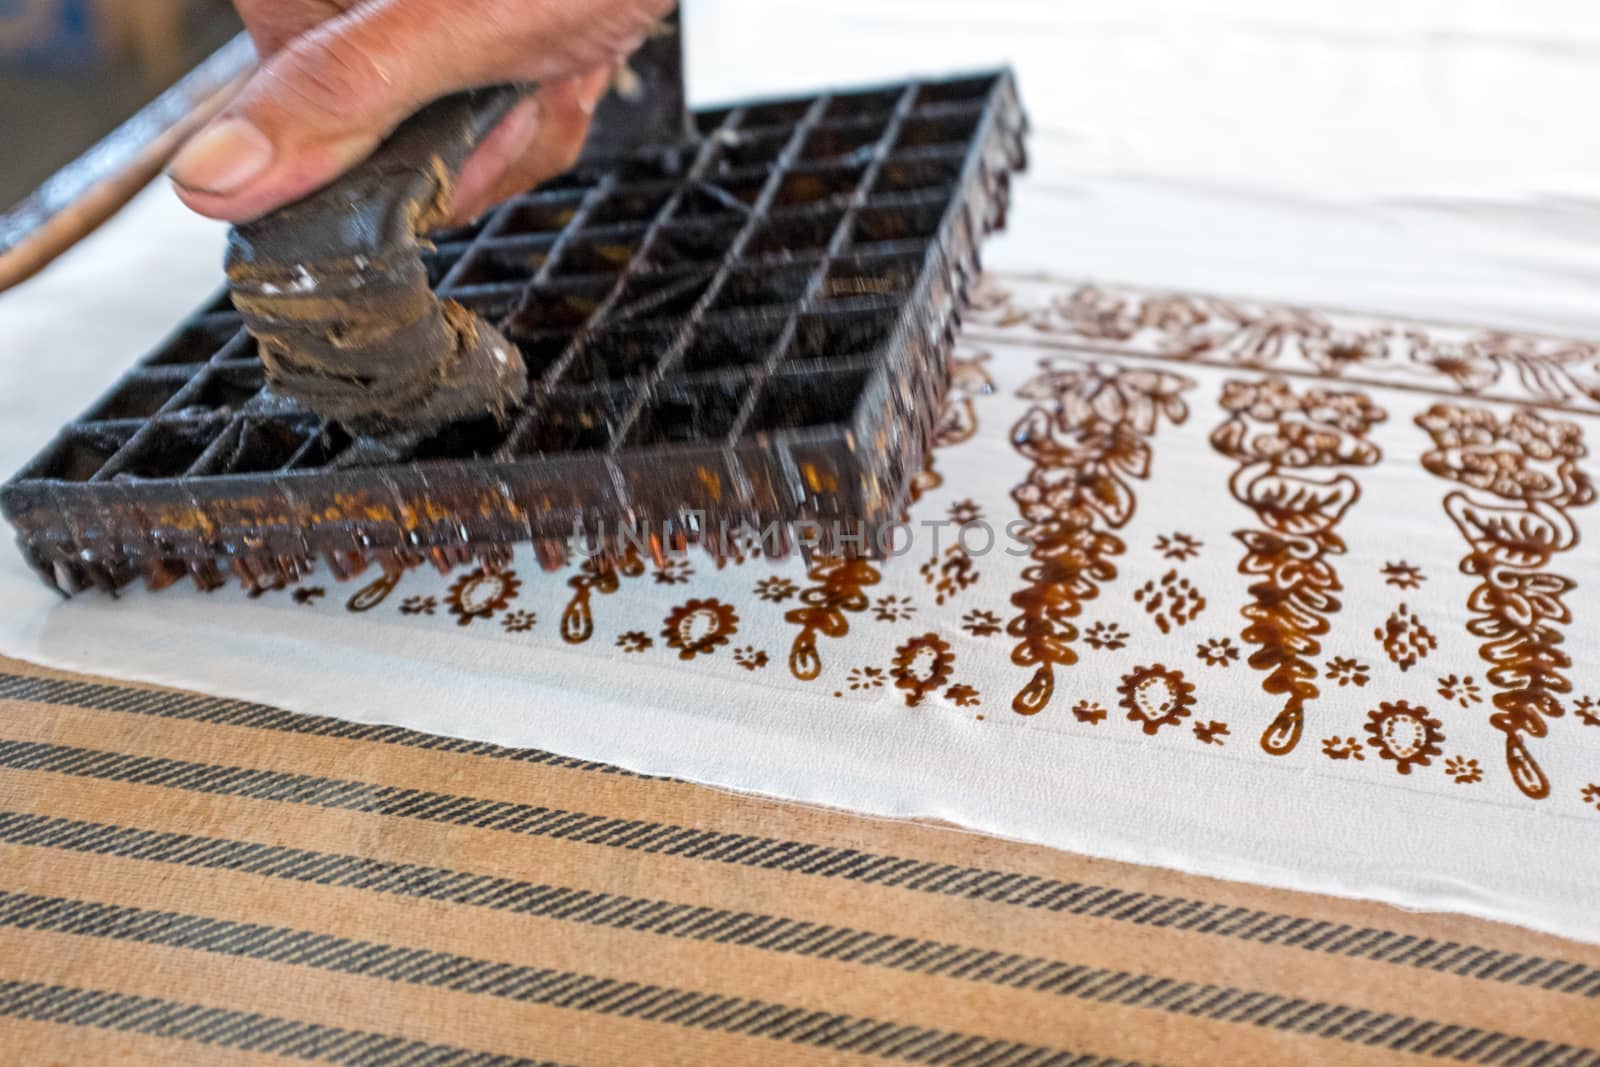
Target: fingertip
(224, 157)
(289, 176)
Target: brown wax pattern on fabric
(1520, 482)
(1376, 676)
(1293, 451)
(838, 587)
(1554, 372)
(837, 590)
(1089, 440)
(186, 879)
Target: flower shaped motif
(1467, 363)
(893, 609)
(481, 594)
(1346, 671)
(418, 605)
(1266, 400)
(921, 666)
(1094, 312)
(1477, 449)
(1403, 575)
(674, 572)
(1505, 474)
(1270, 423)
(700, 627)
(861, 678)
(1087, 711)
(1217, 652)
(1107, 395)
(1178, 546)
(1106, 635)
(519, 622)
(1342, 748)
(1591, 794)
(750, 658)
(1301, 444)
(1348, 412)
(1542, 438)
(1588, 711)
(1339, 350)
(1463, 771)
(1463, 691)
(964, 696)
(980, 623)
(635, 641)
(776, 590)
(1172, 313)
(1403, 733)
(1156, 696)
(1211, 733)
(1454, 427)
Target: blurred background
(71, 70)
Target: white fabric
(1422, 160)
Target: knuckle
(327, 76)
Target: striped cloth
(187, 879)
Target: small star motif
(1106, 635)
(1178, 546)
(867, 678)
(1217, 652)
(635, 641)
(674, 572)
(980, 623)
(1403, 575)
(750, 658)
(963, 512)
(964, 696)
(419, 605)
(1463, 691)
(893, 609)
(1342, 748)
(1346, 671)
(519, 622)
(1089, 712)
(1211, 733)
(309, 595)
(776, 590)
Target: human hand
(338, 75)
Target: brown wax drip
(334, 289)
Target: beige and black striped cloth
(192, 880)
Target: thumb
(316, 108)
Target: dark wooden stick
(74, 201)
